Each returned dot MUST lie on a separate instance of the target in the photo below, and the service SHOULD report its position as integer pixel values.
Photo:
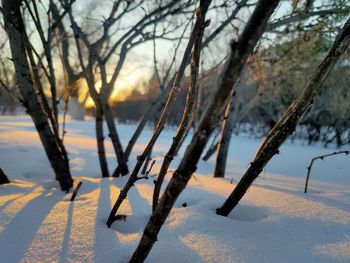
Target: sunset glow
(122, 90)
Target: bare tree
(231, 119)
(285, 23)
(157, 107)
(37, 108)
(196, 32)
(101, 51)
(240, 52)
(288, 122)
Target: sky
(139, 65)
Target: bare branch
(321, 157)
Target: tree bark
(17, 37)
(145, 165)
(100, 143)
(240, 52)
(224, 142)
(113, 134)
(187, 115)
(187, 132)
(200, 21)
(288, 122)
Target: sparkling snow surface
(275, 222)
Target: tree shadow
(20, 232)
(65, 244)
(105, 239)
(20, 194)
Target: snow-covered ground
(275, 222)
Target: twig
(146, 176)
(66, 101)
(150, 168)
(316, 158)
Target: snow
(275, 222)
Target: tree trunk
(187, 132)
(200, 22)
(148, 159)
(288, 122)
(113, 134)
(100, 143)
(187, 115)
(224, 142)
(240, 52)
(54, 150)
(145, 165)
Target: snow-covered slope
(275, 222)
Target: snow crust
(275, 222)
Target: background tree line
(269, 83)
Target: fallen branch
(316, 158)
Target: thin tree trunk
(287, 124)
(224, 142)
(100, 143)
(187, 132)
(113, 134)
(200, 22)
(148, 159)
(54, 149)
(240, 52)
(187, 115)
(145, 165)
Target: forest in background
(269, 83)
